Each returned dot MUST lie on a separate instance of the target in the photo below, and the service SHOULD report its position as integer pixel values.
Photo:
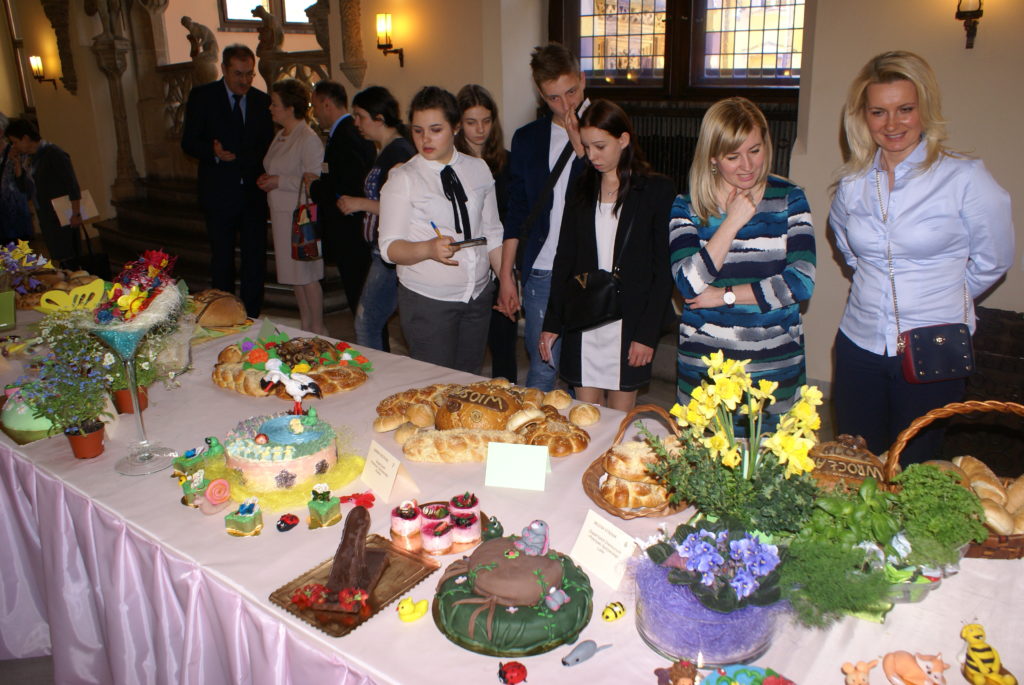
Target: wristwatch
(729, 297)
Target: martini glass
(144, 457)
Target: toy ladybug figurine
(511, 673)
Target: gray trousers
(450, 334)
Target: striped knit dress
(774, 253)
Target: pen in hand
(436, 229)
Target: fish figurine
(534, 541)
(582, 652)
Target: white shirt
(413, 197)
(948, 226)
(559, 138)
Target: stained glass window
(752, 40)
(622, 40)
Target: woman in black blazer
(616, 213)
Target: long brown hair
(614, 121)
(493, 151)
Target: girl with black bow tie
(429, 208)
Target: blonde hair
(889, 67)
(725, 126)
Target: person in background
(375, 112)
(345, 163)
(743, 257)
(480, 136)
(537, 149)
(437, 199)
(228, 129)
(909, 215)
(15, 218)
(617, 213)
(295, 150)
(52, 176)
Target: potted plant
(17, 264)
(74, 397)
(145, 374)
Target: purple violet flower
(743, 583)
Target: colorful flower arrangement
(256, 354)
(136, 288)
(71, 395)
(724, 569)
(17, 264)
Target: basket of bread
(1001, 498)
(455, 423)
(618, 480)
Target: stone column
(353, 64)
(112, 55)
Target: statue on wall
(271, 35)
(203, 51)
(111, 16)
(318, 16)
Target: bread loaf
(389, 422)
(989, 489)
(975, 468)
(456, 445)
(522, 417)
(625, 494)
(421, 415)
(476, 407)
(1015, 496)
(997, 518)
(559, 399)
(1018, 523)
(629, 461)
(405, 431)
(216, 308)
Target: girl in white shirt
(434, 201)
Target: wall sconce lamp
(384, 39)
(969, 12)
(36, 62)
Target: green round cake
(504, 601)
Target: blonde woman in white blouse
(438, 198)
(295, 150)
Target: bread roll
(559, 399)
(1015, 496)
(523, 417)
(625, 494)
(218, 308)
(629, 461)
(455, 446)
(997, 518)
(405, 431)
(383, 424)
(975, 468)
(1018, 523)
(534, 396)
(584, 415)
(987, 489)
(422, 415)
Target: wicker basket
(995, 546)
(595, 473)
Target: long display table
(122, 584)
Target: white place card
(524, 467)
(603, 548)
(380, 471)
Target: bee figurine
(981, 663)
(613, 612)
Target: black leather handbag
(592, 298)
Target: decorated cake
(276, 452)
(324, 510)
(332, 367)
(245, 521)
(513, 596)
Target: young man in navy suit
(228, 129)
(536, 150)
(347, 160)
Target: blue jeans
(377, 303)
(535, 305)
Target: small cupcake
(194, 486)
(246, 520)
(406, 519)
(324, 510)
(437, 537)
(466, 528)
(466, 503)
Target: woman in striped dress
(742, 251)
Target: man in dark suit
(347, 160)
(228, 129)
(537, 149)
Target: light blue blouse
(947, 225)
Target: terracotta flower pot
(123, 400)
(86, 445)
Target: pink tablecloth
(124, 585)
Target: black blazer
(349, 157)
(207, 118)
(643, 261)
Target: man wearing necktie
(347, 159)
(228, 129)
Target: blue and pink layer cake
(276, 452)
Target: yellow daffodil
(714, 361)
(765, 390)
(730, 391)
(811, 394)
(732, 457)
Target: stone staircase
(165, 214)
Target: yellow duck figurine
(410, 611)
(982, 665)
